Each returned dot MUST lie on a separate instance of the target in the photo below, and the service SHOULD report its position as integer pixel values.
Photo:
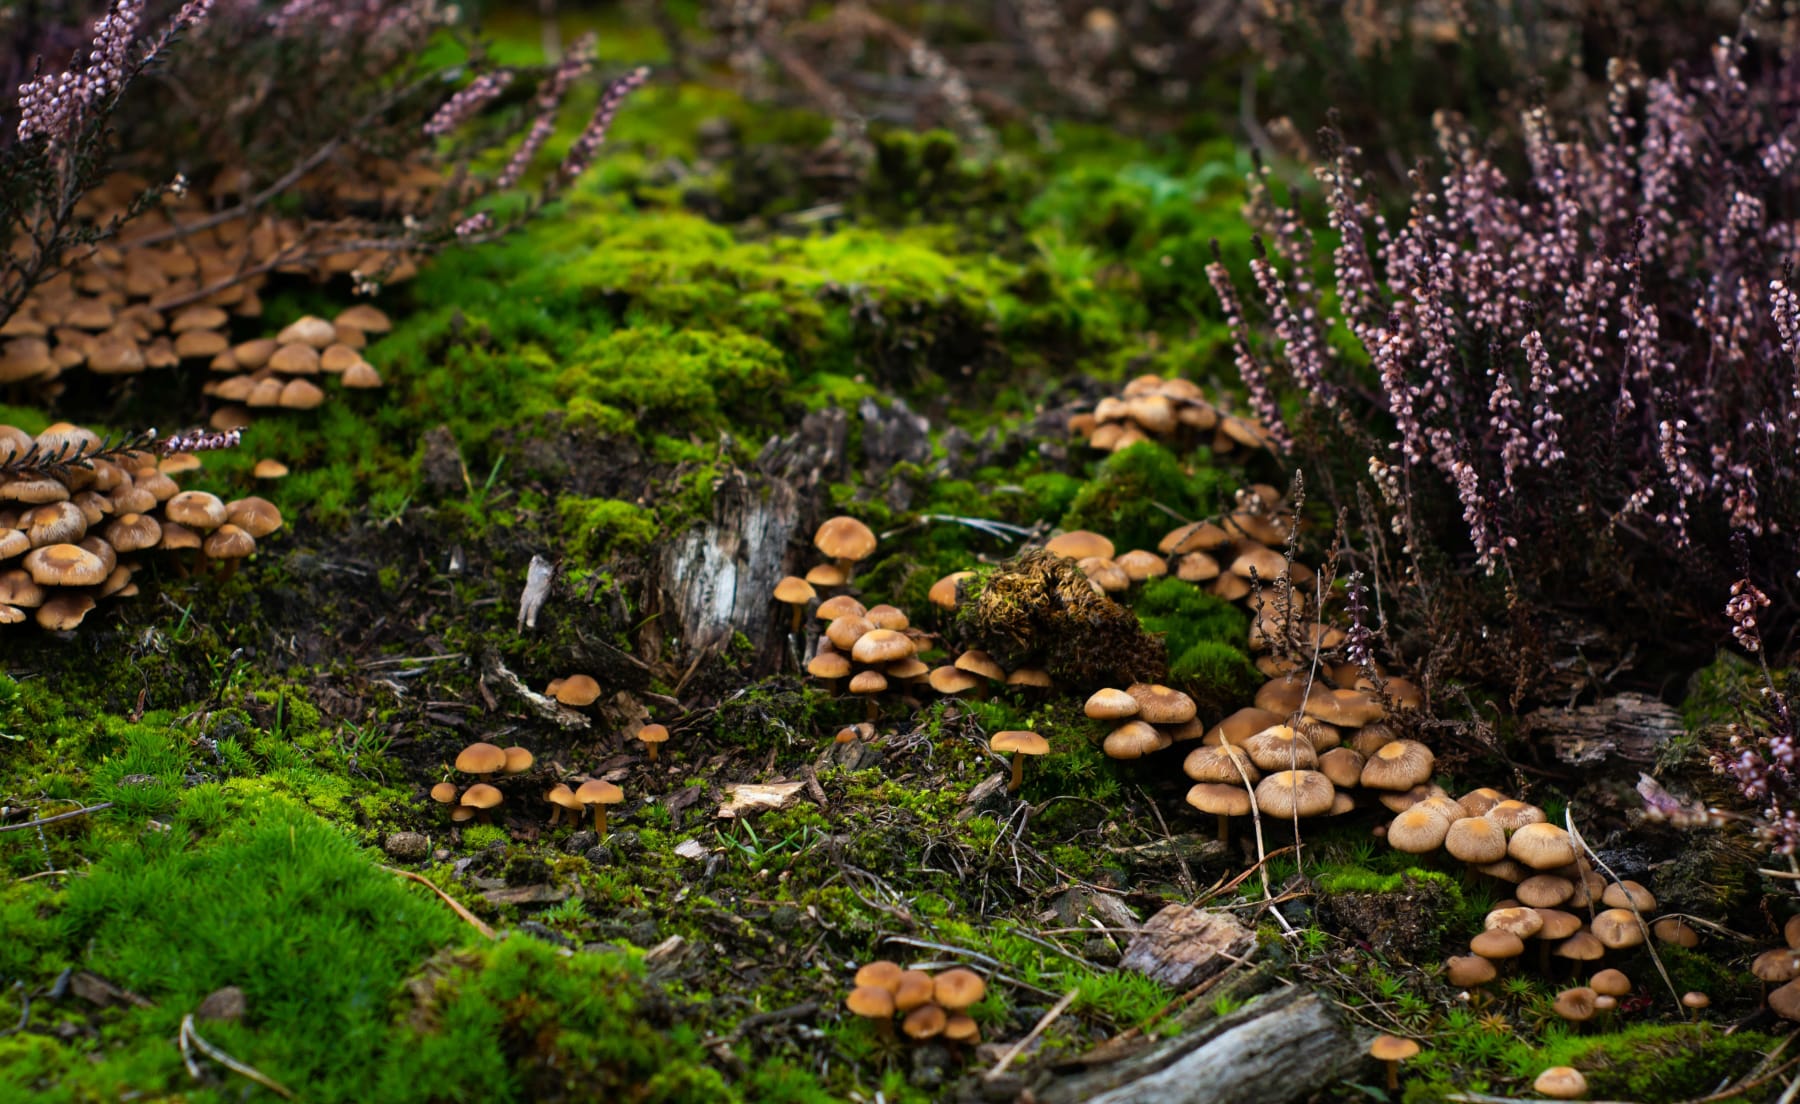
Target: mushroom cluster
(1780, 967)
(280, 371)
(1175, 410)
(163, 290)
(928, 1007)
(1150, 717)
(71, 534)
(873, 647)
(487, 764)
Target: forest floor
(660, 390)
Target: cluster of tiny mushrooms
(1153, 408)
(165, 288)
(72, 536)
(928, 1007)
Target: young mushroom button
(481, 759)
(1561, 1083)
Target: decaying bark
(1627, 730)
(1182, 946)
(1283, 1046)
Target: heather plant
(345, 104)
(1594, 365)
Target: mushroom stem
(1393, 1075)
(874, 709)
(798, 610)
(600, 821)
(1224, 828)
(555, 814)
(230, 569)
(846, 566)
(1018, 778)
(652, 748)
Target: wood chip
(751, 797)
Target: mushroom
(1295, 793)
(796, 593)
(1221, 799)
(444, 793)
(1541, 846)
(1279, 747)
(1399, 765)
(957, 988)
(1695, 1000)
(1418, 830)
(924, 1022)
(1134, 740)
(1671, 929)
(873, 1003)
(912, 989)
(943, 592)
(599, 794)
(1561, 1083)
(1576, 1005)
(1158, 704)
(1495, 944)
(651, 735)
(563, 798)
(229, 543)
(1469, 971)
(1080, 544)
(1618, 929)
(1111, 705)
(1628, 895)
(1020, 744)
(576, 690)
(1785, 1001)
(518, 761)
(481, 759)
(1391, 1050)
(846, 541)
(481, 797)
(1475, 840)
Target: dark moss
(1038, 609)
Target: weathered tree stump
(1627, 730)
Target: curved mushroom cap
(925, 1022)
(1464, 971)
(1079, 545)
(196, 510)
(308, 330)
(1034, 677)
(1219, 798)
(841, 606)
(1477, 802)
(1291, 793)
(1220, 763)
(1785, 1001)
(228, 542)
(1576, 1005)
(961, 1027)
(178, 537)
(1610, 983)
(1545, 890)
(1134, 740)
(828, 575)
(1521, 921)
(55, 523)
(1018, 743)
(880, 974)
(64, 611)
(653, 734)
(563, 797)
(1561, 1083)
(868, 682)
(1284, 695)
(363, 317)
(1696, 1000)
(1343, 766)
(958, 988)
(1198, 536)
(1418, 830)
(913, 989)
(444, 793)
(1109, 577)
(882, 645)
(1580, 947)
(1628, 895)
(1669, 929)
(1258, 561)
(977, 663)
(1349, 708)
(1370, 739)
(482, 796)
(1790, 931)
(1392, 1048)
(794, 591)
(133, 532)
(909, 669)
(885, 616)
(1196, 567)
(481, 758)
(518, 760)
(597, 791)
(943, 592)
(1400, 765)
(1780, 964)
(1111, 705)
(1401, 800)
(1281, 748)
(1139, 565)
(870, 1001)
(1514, 815)
(1475, 840)
(576, 690)
(845, 538)
(832, 665)
(1541, 846)
(1557, 924)
(845, 631)
(1494, 943)
(1242, 725)
(17, 588)
(65, 565)
(948, 680)
(1617, 928)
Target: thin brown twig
(191, 1037)
(1031, 1036)
(456, 906)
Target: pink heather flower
(464, 105)
(575, 65)
(477, 223)
(1745, 602)
(198, 440)
(581, 154)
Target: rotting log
(1284, 1046)
(1625, 730)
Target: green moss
(1038, 609)
(670, 379)
(596, 528)
(1132, 494)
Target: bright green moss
(596, 528)
(1130, 497)
(669, 379)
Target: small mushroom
(1561, 1083)
(599, 793)
(873, 1003)
(564, 799)
(1391, 1050)
(481, 759)
(1020, 744)
(652, 735)
(957, 988)
(795, 593)
(846, 541)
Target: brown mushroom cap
(943, 592)
(1392, 1048)
(1343, 766)
(1576, 1005)
(1521, 921)
(196, 510)
(1561, 1083)
(1016, 743)
(885, 616)
(1628, 895)
(1780, 964)
(925, 1022)
(518, 760)
(1242, 725)
(444, 793)
(1349, 708)
(948, 680)
(1610, 983)
(1670, 929)
(1220, 763)
(1464, 971)
(1494, 943)
(1035, 677)
(482, 796)
(1219, 798)
(597, 791)
(1080, 545)
(17, 588)
(228, 542)
(958, 988)
(64, 611)
(1785, 1001)
(845, 631)
(1418, 830)
(575, 690)
(1134, 740)
(1279, 747)
(871, 1002)
(1139, 565)
(1617, 928)
(133, 532)
(481, 758)
(1399, 765)
(961, 1027)
(868, 682)
(1159, 704)
(1580, 947)
(1790, 931)
(1545, 890)
(1111, 705)
(1291, 793)
(906, 670)
(1475, 840)
(845, 538)
(977, 662)
(825, 575)
(1557, 924)
(1696, 1000)
(880, 974)
(913, 989)
(1198, 536)
(268, 468)
(1541, 846)
(562, 796)
(65, 565)
(1514, 815)
(1477, 802)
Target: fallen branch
(41, 821)
(457, 906)
(1031, 1036)
(190, 1036)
